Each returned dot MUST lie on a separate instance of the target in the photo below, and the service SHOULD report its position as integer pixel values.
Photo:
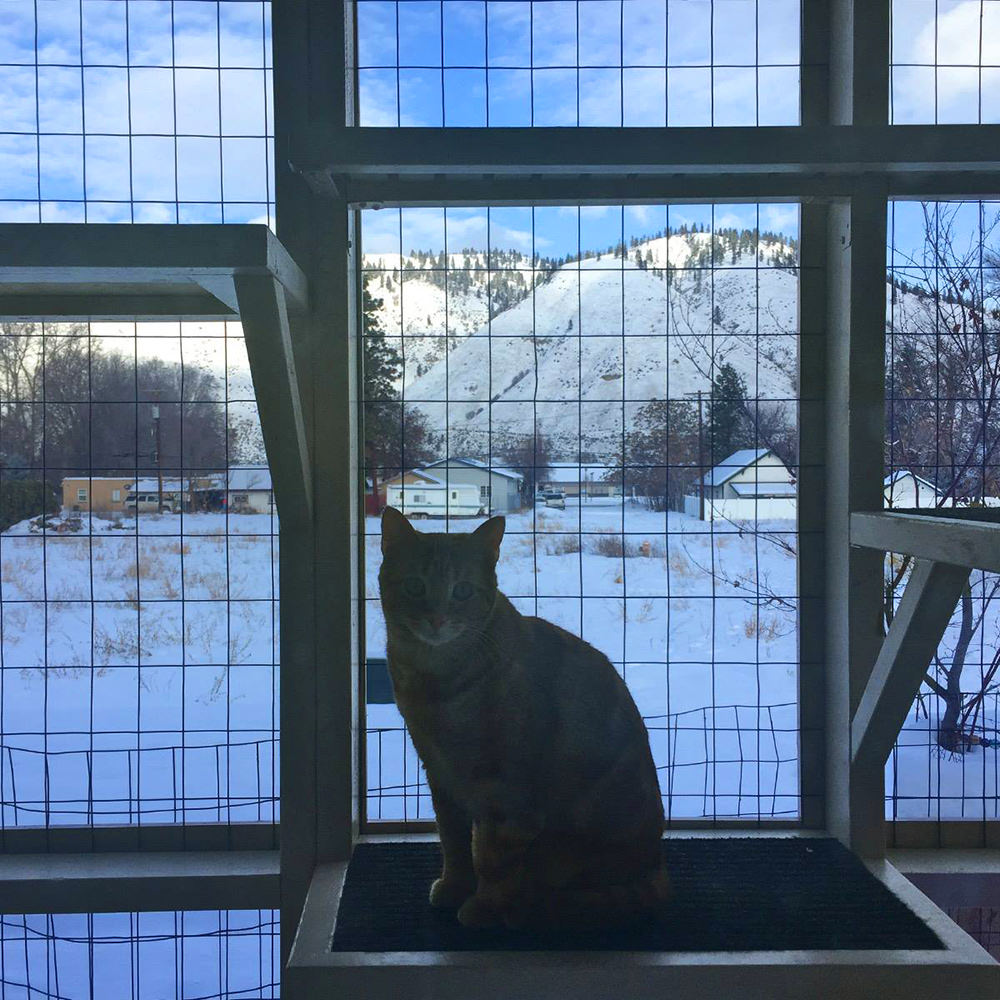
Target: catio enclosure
(649, 347)
(603, 266)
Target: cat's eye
(462, 590)
(414, 586)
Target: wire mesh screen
(138, 578)
(188, 955)
(945, 62)
(942, 391)
(981, 923)
(621, 383)
(136, 111)
(565, 62)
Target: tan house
(101, 494)
(576, 480)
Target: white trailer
(419, 500)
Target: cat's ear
(490, 533)
(395, 528)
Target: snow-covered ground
(712, 670)
(139, 678)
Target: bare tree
(943, 422)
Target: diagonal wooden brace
(930, 597)
(272, 362)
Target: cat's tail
(597, 907)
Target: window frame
(842, 163)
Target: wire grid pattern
(626, 363)
(945, 62)
(138, 648)
(982, 923)
(578, 62)
(942, 391)
(136, 111)
(188, 955)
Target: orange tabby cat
(538, 762)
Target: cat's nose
(436, 621)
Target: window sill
(140, 881)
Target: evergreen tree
(659, 461)
(728, 426)
(396, 436)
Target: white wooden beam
(276, 387)
(320, 603)
(138, 838)
(961, 541)
(855, 385)
(952, 877)
(382, 190)
(116, 882)
(926, 607)
(808, 151)
(75, 271)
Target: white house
(499, 489)
(249, 490)
(906, 489)
(751, 484)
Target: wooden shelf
(967, 536)
(99, 272)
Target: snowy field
(139, 680)
(673, 602)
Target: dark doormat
(738, 894)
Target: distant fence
(721, 761)
(925, 781)
(206, 783)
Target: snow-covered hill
(432, 300)
(589, 337)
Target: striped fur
(544, 787)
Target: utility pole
(159, 459)
(701, 460)
(701, 454)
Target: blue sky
(462, 62)
(101, 112)
(555, 231)
(105, 132)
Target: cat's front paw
(450, 893)
(475, 913)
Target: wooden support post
(813, 418)
(855, 429)
(313, 90)
(855, 433)
(930, 597)
(276, 387)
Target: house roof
(900, 474)
(573, 472)
(398, 478)
(474, 463)
(246, 480)
(764, 489)
(97, 479)
(736, 463)
(153, 486)
(434, 487)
